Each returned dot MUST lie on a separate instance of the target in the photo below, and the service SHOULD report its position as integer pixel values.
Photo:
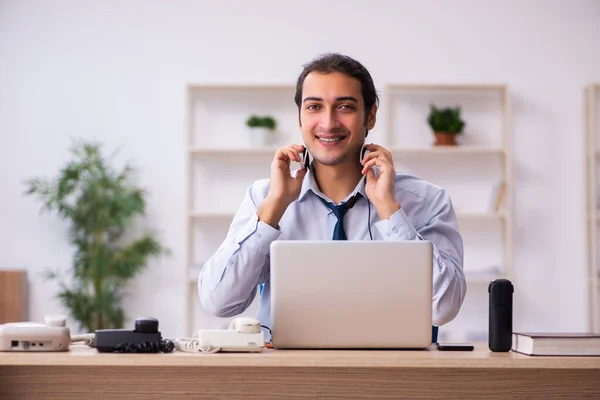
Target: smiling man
(333, 199)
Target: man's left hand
(380, 189)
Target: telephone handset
(305, 156)
(245, 325)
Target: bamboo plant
(100, 204)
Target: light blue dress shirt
(230, 279)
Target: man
(337, 106)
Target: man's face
(332, 117)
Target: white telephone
(244, 335)
(52, 335)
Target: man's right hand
(283, 188)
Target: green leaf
(129, 260)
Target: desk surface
(480, 358)
(296, 375)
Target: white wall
(116, 71)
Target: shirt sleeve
(440, 227)
(228, 281)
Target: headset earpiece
(363, 153)
(305, 158)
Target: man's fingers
(291, 151)
(376, 155)
(283, 164)
(375, 148)
(287, 153)
(300, 174)
(379, 154)
(369, 164)
(380, 163)
(370, 174)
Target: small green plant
(255, 121)
(445, 120)
(99, 204)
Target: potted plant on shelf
(261, 129)
(446, 124)
(100, 204)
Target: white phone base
(231, 340)
(32, 336)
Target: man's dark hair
(333, 62)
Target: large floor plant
(100, 204)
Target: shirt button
(395, 229)
(258, 235)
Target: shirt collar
(309, 184)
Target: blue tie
(340, 211)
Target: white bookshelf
(592, 151)
(222, 164)
(468, 171)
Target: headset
(305, 163)
(305, 156)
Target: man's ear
(371, 118)
(299, 120)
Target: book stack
(556, 344)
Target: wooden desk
(83, 373)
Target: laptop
(351, 294)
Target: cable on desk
(267, 328)
(88, 339)
(165, 346)
(193, 345)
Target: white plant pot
(259, 137)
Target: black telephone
(145, 338)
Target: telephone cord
(193, 345)
(187, 345)
(88, 339)
(165, 346)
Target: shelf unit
(220, 110)
(591, 157)
(484, 150)
(216, 134)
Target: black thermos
(501, 315)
